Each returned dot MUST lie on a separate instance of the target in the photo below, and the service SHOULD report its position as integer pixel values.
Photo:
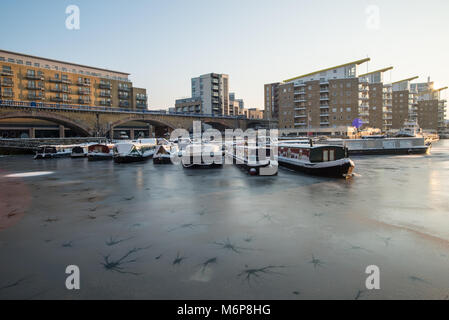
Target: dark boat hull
(202, 166)
(51, 156)
(395, 151)
(130, 159)
(161, 160)
(99, 158)
(343, 170)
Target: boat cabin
(312, 154)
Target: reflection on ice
(29, 174)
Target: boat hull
(162, 160)
(202, 166)
(395, 151)
(51, 156)
(131, 159)
(99, 157)
(341, 169)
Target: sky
(163, 44)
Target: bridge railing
(53, 106)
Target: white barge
(387, 146)
(50, 152)
(134, 151)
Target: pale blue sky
(165, 43)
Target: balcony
(124, 89)
(7, 94)
(60, 99)
(300, 108)
(54, 80)
(324, 106)
(124, 104)
(105, 103)
(7, 83)
(301, 116)
(83, 92)
(104, 86)
(82, 83)
(324, 89)
(324, 114)
(297, 85)
(324, 98)
(141, 98)
(7, 72)
(83, 101)
(61, 90)
(298, 124)
(144, 105)
(123, 96)
(299, 100)
(35, 97)
(31, 76)
(105, 95)
(35, 88)
(66, 81)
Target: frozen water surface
(162, 232)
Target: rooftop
(376, 71)
(10, 54)
(357, 62)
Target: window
(36, 64)
(2, 58)
(11, 60)
(325, 155)
(20, 61)
(28, 63)
(348, 109)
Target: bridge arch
(76, 126)
(155, 122)
(218, 124)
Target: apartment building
(379, 100)
(271, 97)
(254, 113)
(236, 106)
(36, 79)
(430, 108)
(189, 105)
(404, 103)
(328, 98)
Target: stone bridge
(100, 122)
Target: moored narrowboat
(99, 152)
(256, 160)
(202, 156)
(320, 160)
(134, 151)
(50, 152)
(79, 151)
(164, 153)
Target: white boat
(50, 152)
(410, 129)
(256, 160)
(134, 151)
(164, 152)
(202, 155)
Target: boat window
(331, 155)
(325, 155)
